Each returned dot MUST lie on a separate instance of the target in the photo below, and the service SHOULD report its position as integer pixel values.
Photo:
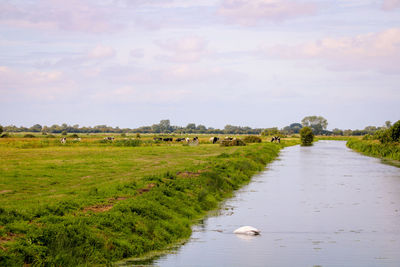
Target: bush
(29, 136)
(252, 139)
(50, 136)
(1, 129)
(306, 136)
(74, 136)
(64, 132)
(5, 135)
(123, 135)
(383, 136)
(128, 142)
(138, 135)
(234, 142)
(394, 132)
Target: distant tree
(306, 136)
(337, 131)
(316, 123)
(191, 126)
(1, 129)
(388, 124)
(36, 128)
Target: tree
(388, 124)
(394, 132)
(306, 136)
(36, 128)
(316, 123)
(1, 129)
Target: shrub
(5, 135)
(1, 129)
(394, 132)
(306, 136)
(383, 136)
(138, 135)
(234, 142)
(128, 142)
(74, 136)
(64, 132)
(29, 136)
(252, 139)
(123, 135)
(50, 136)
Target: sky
(257, 63)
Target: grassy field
(89, 202)
(389, 152)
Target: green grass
(389, 152)
(91, 203)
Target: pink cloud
(72, 15)
(375, 51)
(101, 52)
(187, 49)
(249, 13)
(389, 5)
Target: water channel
(323, 205)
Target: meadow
(93, 202)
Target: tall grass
(376, 149)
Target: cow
(63, 140)
(196, 139)
(229, 138)
(168, 139)
(214, 139)
(276, 139)
(180, 139)
(187, 139)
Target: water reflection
(317, 206)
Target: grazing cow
(167, 139)
(276, 139)
(214, 139)
(63, 140)
(229, 138)
(187, 139)
(180, 139)
(109, 138)
(196, 139)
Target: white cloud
(374, 51)
(253, 12)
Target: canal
(323, 205)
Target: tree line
(318, 124)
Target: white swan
(247, 230)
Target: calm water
(316, 206)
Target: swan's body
(247, 230)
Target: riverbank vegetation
(306, 136)
(385, 143)
(88, 202)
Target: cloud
(130, 94)
(101, 52)
(250, 13)
(373, 51)
(38, 85)
(71, 15)
(187, 49)
(389, 5)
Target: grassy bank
(374, 148)
(88, 204)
